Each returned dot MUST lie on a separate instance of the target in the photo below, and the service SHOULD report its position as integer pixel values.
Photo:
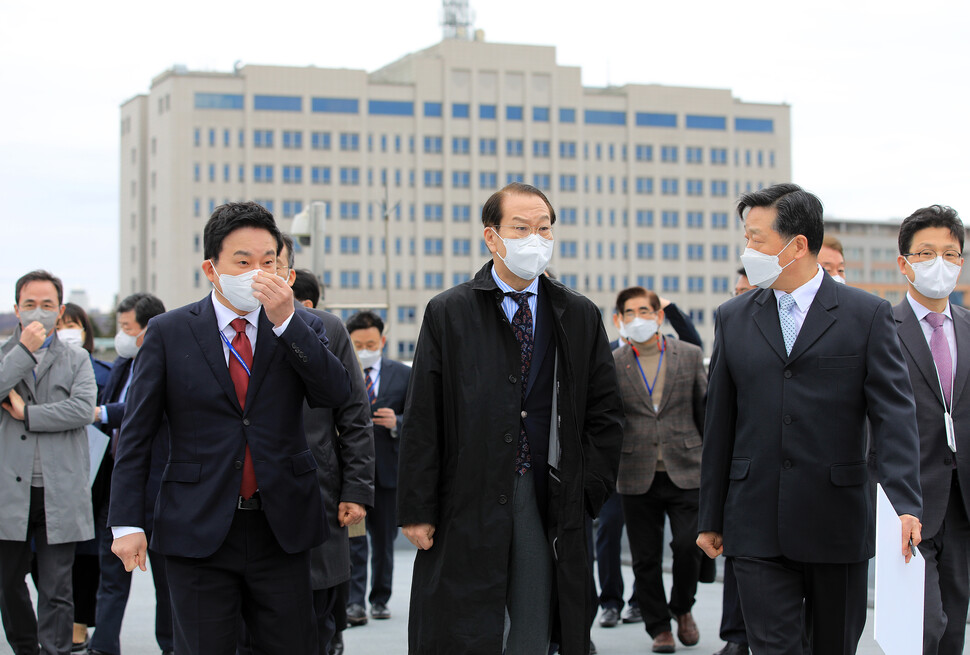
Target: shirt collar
(921, 311)
(805, 294)
(533, 287)
(225, 316)
(376, 366)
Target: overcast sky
(880, 91)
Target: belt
(253, 503)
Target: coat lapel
(961, 327)
(914, 341)
(632, 372)
(54, 350)
(766, 318)
(818, 319)
(543, 335)
(206, 332)
(672, 359)
(266, 343)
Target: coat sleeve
(682, 325)
(602, 432)
(352, 421)
(305, 343)
(892, 415)
(75, 411)
(419, 461)
(719, 424)
(700, 392)
(14, 365)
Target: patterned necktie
(240, 379)
(789, 330)
(940, 348)
(370, 385)
(522, 328)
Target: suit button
(524, 414)
(19, 479)
(787, 464)
(295, 347)
(237, 465)
(513, 379)
(787, 374)
(501, 499)
(23, 437)
(787, 419)
(508, 438)
(245, 421)
(947, 460)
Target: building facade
(643, 177)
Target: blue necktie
(789, 330)
(522, 328)
(370, 385)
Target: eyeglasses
(644, 312)
(522, 231)
(951, 256)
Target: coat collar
(817, 321)
(557, 293)
(913, 339)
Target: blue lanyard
(235, 353)
(636, 356)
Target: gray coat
(60, 403)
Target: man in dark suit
(797, 369)
(386, 382)
(133, 314)
(239, 506)
(935, 336)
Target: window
(349, 245)
(292, 139)
(433, 247)
(540, 149)
(320, 140)
(567, 182)
(669, 218)
(567, 215)
(719, 252)
(695, 220)
(567, 115)
(320, 175)
(432, 145)
(695, 187)
(486, 112)
(695, 252)
(567, 150)
(242, 172)
(669, 186)
(292, 175)
(212, 173)
(291, 208)
(262, 138)
(434, 213)
(513, 112)
(567, 249)
(668, 154)
(461, 247)
(649, 119)
(460, 145)
(432, 110)
(514, 177)
(670, 251)
(196, 207)
(719, 220)
(694, 155)
(603, 117)
(461, 179)
(263, 173)
(433, 178)
(407, 314)
(644, 250)
(197, 137)
(719, 188)
(197, 172)
(405, 349)
(434, 280)
(212, 137)
(671, 283)
(349, 176)
(514, 147)
(644, 218)
(349, 141)
(226, 173)
(766, 125)
(644, 185)
(643, 152)
(488, 179)
(719, 156)
(460, 110)
(540, 114)
(350, 279)
(487, 146)
(695, 284)
(541, 181)
(349, 210)
(242, 138)
(459, 278)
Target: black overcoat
(456, 466)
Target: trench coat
(59, 404)
(456, 468)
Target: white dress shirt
(375, 375)
(804, 296)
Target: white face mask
(238, 289)
(74, 336)
(763, 269)
(839, 279)
(935, 279)
(527, 258)
(127, 345)
(368, 358)
(639, 329)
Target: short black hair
(492, 209)
(799, 212)
(76, 314)
(932, 216)
(39, 276)
(288, 244)
(636, 292)
(741, 271)
(363, 321)
(306, 286)
(232, 216)
(145, 305)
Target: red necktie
(240, 379)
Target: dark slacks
(732, 620)
(381, 526)
(644, 515)
(250, 577)
(778, 594)
(609, 536)
(947, 580)
(53, 625)
(324, 603)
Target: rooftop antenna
(457, 19)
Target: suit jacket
(936, 458)
(59, 404)
(342, 442)
(678, 425)
(391, 392)
(783, 470)
(181, 372)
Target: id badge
(951, 437)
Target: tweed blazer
(677, 425)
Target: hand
(712, 543)
(132, 550)
(33, 336)
(97, 414)
(275, 295)
(386, 418)
(911, 529)
(663, 302)
(420, 535)
(14, 405)
(350, 514)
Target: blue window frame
(719, 156)
(603, 117)
(335, 105)
(567, 182)
(719, 252)
(719, 220)
(262, 173)
(488, 180)
(433, 178)
(669, 218)
(671, 283)
(434, 213)
(567, 150)
(262, 138)
(461, 247)
(644, 250)
(461, 179)
(292, 139)
(432, 145)
(541, 181)
(694, 155)
(644, 185)
(668, 154)
(320, 175)
(487, 112)
(540, 114)
(567, 215)
(514, 147)
(487, 146)
(764, 125)
(292, 175)
(433, 247)
(350, 279)
(719, 188)
(514, 177)
(461, 213)
(568, 249)
(540, 149)
(695, 284)
(567, 115)
(349, 141)
(643, 152)
(697, 122)
(433, 280)
(460, 110)
(695, 187)
(513, 112)
(695, 220)
(349, 245)
(432, 110)
(349, 210)
(461, 145)
(390, 108)
(320, 140)
(695, 251)
(652, 119)
(670, 251)
(719, 284)
(644, 218)
(349, 176)
(218, 101)
(278, 103)
(669, 186)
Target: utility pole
(386, 211)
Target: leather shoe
(687, 629)
(337, 644)
(664, 643)
(379, 611)
(592, 647)
(632, 615)
(356, 614)
(168, 652)
(610, 617)
(731, 648)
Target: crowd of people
(260, 455)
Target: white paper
(97, 445)
(899, 586)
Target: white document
(97, 445)
(899, 586)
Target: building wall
(643, 177)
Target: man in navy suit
(387, 386)
(239, 506)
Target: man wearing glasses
(935, 339)
(512, 432)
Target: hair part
(932, 216)
(39, 276)
(798, 212)
(364, 321)
(636, 292)
(234, 215)
(492, 209)
(306, 286)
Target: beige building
(643, 177)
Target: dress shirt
(509, 304)
(804, 296)
(375, 375)
(951, 336)
(121, 396)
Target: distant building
(80, 297)
(643, 177)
